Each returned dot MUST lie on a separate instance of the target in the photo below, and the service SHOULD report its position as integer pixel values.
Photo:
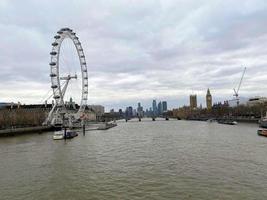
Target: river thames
(138, 160)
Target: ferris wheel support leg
(65, 88)
(67, 83)
(48, 119)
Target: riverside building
(193, 101)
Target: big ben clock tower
(208, 100)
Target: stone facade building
(193, 101)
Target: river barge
(228, 122)
(262, 132)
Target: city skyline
(139, 52)
(132, 99)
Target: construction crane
(238, 88)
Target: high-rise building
(208, 100)
(129, 112)
(120, 112)
(140, 112)
(134, 113)
(139, 107)
(154, 107)
(193, 101)
(160, 110)
(164, 106)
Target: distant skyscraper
(139, 107)
(154, 107)
(120, 112)
(129, 112)
(134, 112)
(208, 100)
(140, 111)
(193, 101)
(164, 106)
(160, 110)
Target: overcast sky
(138, 50)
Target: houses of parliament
(193, 101)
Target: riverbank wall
(25, 130)
(242, 120)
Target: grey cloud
(138, 50)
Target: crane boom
(241, 80)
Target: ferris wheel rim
(63, 34)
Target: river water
(138, 160)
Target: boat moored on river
(262, 132)
(59, 135)
(263, 122)
(229, 122)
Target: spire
(208, 91)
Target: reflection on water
(138, 160)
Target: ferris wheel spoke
(64, 59)
(68, 59)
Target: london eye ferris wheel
(62, 77)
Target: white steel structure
(59, 84)
(236, 92)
